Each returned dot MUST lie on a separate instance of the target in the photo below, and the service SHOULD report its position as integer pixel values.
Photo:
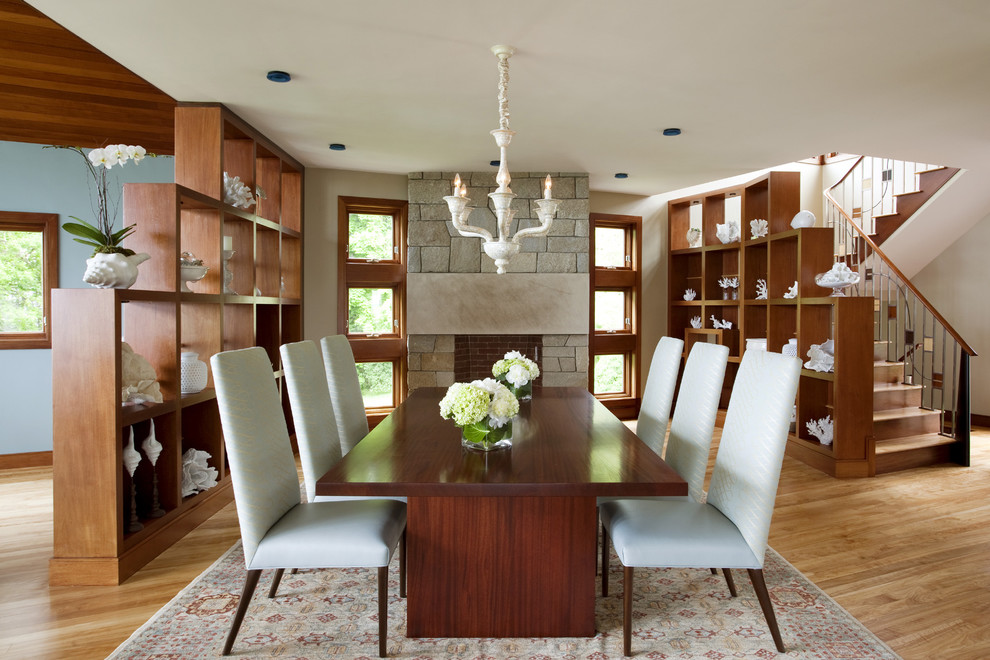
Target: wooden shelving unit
(92, 490)
(781, 258)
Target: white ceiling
(410, 85)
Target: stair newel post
(961, 418)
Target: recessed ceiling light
(621, 175)
(671, 132)
(336, 146)
(279, 76)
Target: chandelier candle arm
(503, 249)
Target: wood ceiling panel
(57, 89)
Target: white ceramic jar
(192, 373)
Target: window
(28, 273)
(371, 297)
(615, 312)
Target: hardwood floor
(908, 554)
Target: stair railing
(933, 353)
(870, 188)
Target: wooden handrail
(873, 246)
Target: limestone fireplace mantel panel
(484, 303)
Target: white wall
(322, 187)
(955, 282)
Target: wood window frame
(627, 343)
(47, 225)
(361, 273)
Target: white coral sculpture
(689, 294)
(821, 429)
(236, 192)
(729, 282)
(695, 321)
(728, 232)
(761, 289)
(759, 227)
(197, 475)
(721, 325)
(793, 291)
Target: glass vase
(522, 393)
(483, 437)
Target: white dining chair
(691, 428)
(317, 434)
(730, 529)
(658, 393)
(345, 390)
(278, 531)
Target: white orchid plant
(483, 409)
(101, 236)
(517, 371)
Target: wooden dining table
(502, 543)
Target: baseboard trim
(979, 420)
(26, 459)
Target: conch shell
(113, 271)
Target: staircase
(906, 434)
(921, 364)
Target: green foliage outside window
(609, 374)
(370, 237)
(22, 307)
(369, 311)
(376, 383)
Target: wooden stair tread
(901, 413)
(886, 215)
(910, 442)
(888, 387)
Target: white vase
(113, 271)
(192, 373)
(803, 219)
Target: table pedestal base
(501, 566)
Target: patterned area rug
(333, 613)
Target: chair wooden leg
(250, 582)
(627, 589)
(604, 561)
(293, 571)
(760, 586)
(714, 571)
(275, 582)
(402, 565)
(382, 610)
(728, 580)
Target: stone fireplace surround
(458, 309)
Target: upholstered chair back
(751, 450)
(262, 468)
(654, 411)
(312, 411)
(690, 440)
(345, 390)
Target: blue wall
(38, 180)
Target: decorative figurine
(761, 289)
(759, 228)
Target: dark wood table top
(565, 443)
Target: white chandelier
(503, 249)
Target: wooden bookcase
(781, 258)
(92, 490)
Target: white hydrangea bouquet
(517, 372)
(483, 409)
